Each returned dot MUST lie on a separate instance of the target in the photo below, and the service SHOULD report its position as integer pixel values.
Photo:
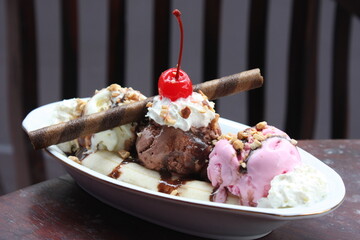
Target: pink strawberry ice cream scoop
(244, 165)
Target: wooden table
(60, 209)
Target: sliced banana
(102, 161)
(110, 164)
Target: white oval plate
(200, 218)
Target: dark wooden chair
(301, 68)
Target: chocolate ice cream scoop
(164, 148)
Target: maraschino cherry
(174, 83)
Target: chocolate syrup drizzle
(168, 184)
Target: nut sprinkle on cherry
(174, 83)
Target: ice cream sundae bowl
(189, 215)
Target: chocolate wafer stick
(133, 112)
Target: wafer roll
(230, 85)
(133, 112)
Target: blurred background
(232, 59)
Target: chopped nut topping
(231, 136)
(124, 95)
(256, 144)
(243, 164)
(164, 112)
(202, 94)
(124, 154)
(252, 131)
(238, 145)
(75, 159)
(134, 96)
(261, 125)
(149, 104)
(233, 139)
(185, 112)
(114, 87)
(293, 142)
(167, 118)
(259, 136)
(214, 123)
(206, 104)
(242, 135)
(80, 105)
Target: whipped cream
(184, 113)
(118, 138)
(303, 186)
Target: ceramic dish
(200, 218)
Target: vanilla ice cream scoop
(245, 165)
(118, 138)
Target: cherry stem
(177, 14)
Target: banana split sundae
(179, 149)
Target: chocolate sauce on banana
(168, 184)
(115, 173)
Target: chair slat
(301, 99)
(22, 83)
(256, 57)
(211, 39)
(69, 28)
(116, 43)
(161, 40)
(340, 73)
(350, 6)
